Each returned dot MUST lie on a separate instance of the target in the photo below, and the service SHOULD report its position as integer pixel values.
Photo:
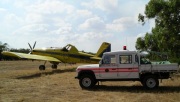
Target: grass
(21, 81)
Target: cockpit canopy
(70, 48)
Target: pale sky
(83, 23)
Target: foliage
(140, 44)
(165, 36)
(20, 50)
(3, 46)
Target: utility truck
(125, 66)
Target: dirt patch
(21, 81)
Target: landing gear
(42, 67)
(54, 66)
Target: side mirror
(100, 62)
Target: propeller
(31, 48)
(34, 44)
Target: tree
(3, 47)
(165, 36)
(140, 44)
(21, 50)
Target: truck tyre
(86, 82)
(150, 82)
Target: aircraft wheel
(54, 66)
(42, 67)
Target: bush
(175, 60)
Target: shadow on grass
(137, 89)
(42, 73)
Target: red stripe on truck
(110, 70)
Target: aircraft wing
(96, 58)
(30, 56)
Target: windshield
(108, 59)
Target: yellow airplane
(67, 54)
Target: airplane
(67, 54)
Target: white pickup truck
(125, 66)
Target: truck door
(128, 67)
(108, 67)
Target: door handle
(113, 69)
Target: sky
(83, 23)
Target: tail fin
(105, 47)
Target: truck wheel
(150, 82)
(86, 82)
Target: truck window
(109, 59)
(125, 59)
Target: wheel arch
(142, 76)
(86, 72)
(158, 75)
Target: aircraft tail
(105, 47)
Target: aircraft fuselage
(66, 56)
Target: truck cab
(119, 65)
(124, 66)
